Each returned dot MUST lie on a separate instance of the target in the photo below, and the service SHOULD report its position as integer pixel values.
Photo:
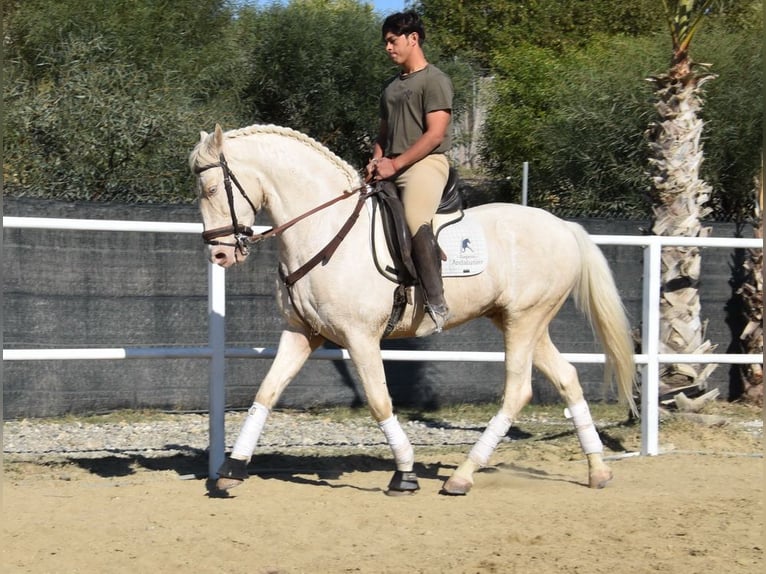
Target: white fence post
(216, 387)
(650, 340)
(524, 183)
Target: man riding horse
(414, 135)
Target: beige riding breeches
(421, 186)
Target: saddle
(387, 202)
(397, 234)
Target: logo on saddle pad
(463, 243)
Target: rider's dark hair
(404, 23)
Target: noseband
(240, 232)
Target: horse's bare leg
(517, 393)
(564, 377)
(294, 349)
(369, 364)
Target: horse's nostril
(220, 255)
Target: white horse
(534, 262)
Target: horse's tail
(597, 297)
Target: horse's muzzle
(226, 254)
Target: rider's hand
(371, 168)
(383, 168)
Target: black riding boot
(425, 254)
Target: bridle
(241, 233)
(244, 235)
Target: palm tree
(751, 295)
(679, 196)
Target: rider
(413, 137)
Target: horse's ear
(202, 136)
(218, 136)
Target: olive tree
(102, 100)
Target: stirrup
(439, 315)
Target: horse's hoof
(600, 479)
(224, 484)
(232, 473)
(456, 486)
(403, 484)
(391, 492)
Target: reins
(274, 231)
(244, 236)
(327, 251)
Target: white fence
(217, 352)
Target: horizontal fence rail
(102, 353)
(216, 351)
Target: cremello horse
(535, 261)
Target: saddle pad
(465, 246)
(459, 236)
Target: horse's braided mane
(256, 129)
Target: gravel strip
(30, 439)
(187, 434)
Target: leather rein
(244, 235)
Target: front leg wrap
(234, 469)
(584, 427)
(404, 481)
(489, 439)
(400, 445)
(250, 432)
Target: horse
(333, 289)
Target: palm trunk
(679, 197)
(751, 295)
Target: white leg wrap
(399, 443)
(586, 430)
(489, 439)
(250, 432)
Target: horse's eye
(211, 190)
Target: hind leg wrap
(584, 427)
(399, 443)
(250, 432)
(489, 439)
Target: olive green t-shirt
(405, 102)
